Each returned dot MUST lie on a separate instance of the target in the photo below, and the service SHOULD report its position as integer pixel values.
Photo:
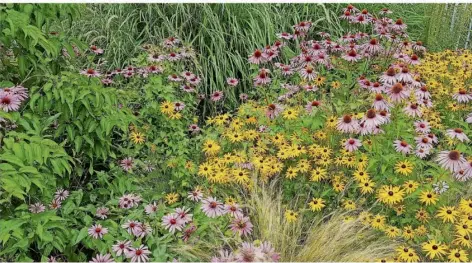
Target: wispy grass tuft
(328, 238)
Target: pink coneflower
(212, 207)
(273, 110)
(306, 59)
(418, 46)
(146, 229)
(351, 56)
(372, 119)
(372, 47)
(243, 96)
(96, 50)
(423, 93)
(156, 58)
(196, 195)
(398, 92)
(402, 147)
(308, 73)
(270, 53)
(433, 137)
(248, 253)
(172, 222)
(187, 233)
(361, 19)
(193, 128)
(187, 88)
(380, 103)
(133, 227)
(256, 57)
(148, 166)
(404, 76)
(302, 26)
(154, 69)
(187, 75)
(412, 110)
(139, 254)
(347, 16)
(170, 42)
(461, 96)
(241, 225)
(106, 81)
(174, 78)
(262, 78)
(426, 103)
(388, 77)
(90, 73)
(417, 83)
(424, 142)
(352, 144)
(422, 152)
(128, 201)
(127, 164)
(324, 34)
(322, 59)
(311, 105)
(286, 70)
(457, 133)
(399, 25)
(195, 80)
(310, 88)
(385, 115)
(61, 194)
(173, 56)
(37, 208)
(376, 87)
(102, 212)
(422, 126)
(121, 247)
(413, 60)
(217, 95)
(150, 208)
(128, 74)
(9, 102)
(461, 176)
(385, 11)
(451, 160)
(233, 210)
(102, 258)
(284, 35)
(347, 124)
(97, 231)
(55, 204)
(178, 106)
(19, 91)
(363, 130)
(224, 256)
(467, 168)
(184, 214)
(232, 81)
(468, 119)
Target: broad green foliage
(30, 166)
(29, 44)
(88, 114)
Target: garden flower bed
(349, 148)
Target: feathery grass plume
(330, 238)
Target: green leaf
(82, 234)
